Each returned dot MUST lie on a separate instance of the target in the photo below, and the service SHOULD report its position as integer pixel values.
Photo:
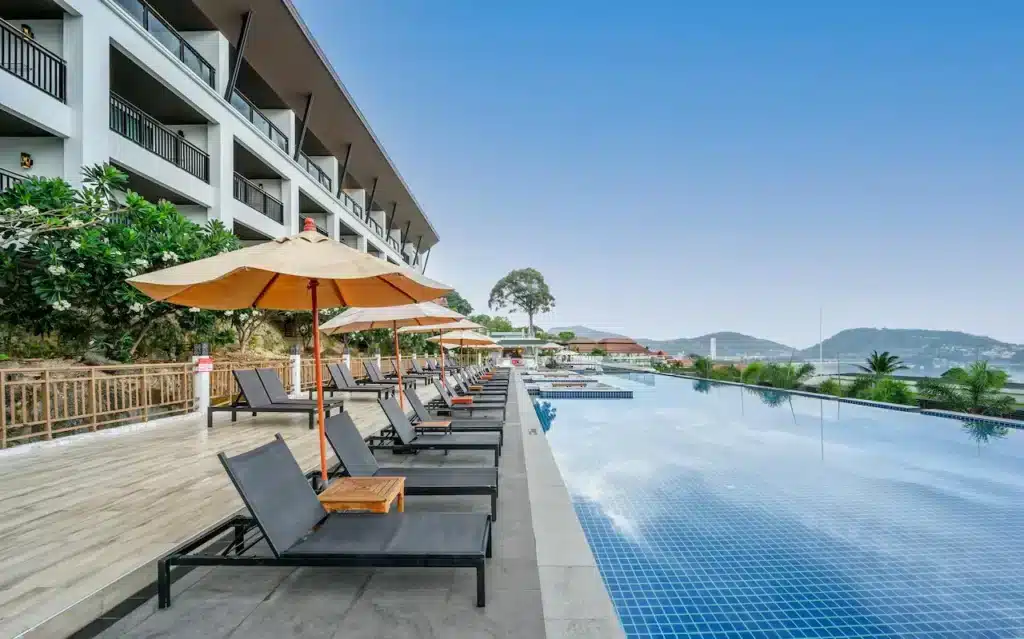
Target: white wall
(47, 155)
(197, 214)
(272, 187)
(194, 133)
(141, 161)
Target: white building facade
(227, 108)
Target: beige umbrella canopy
(464, 338)
(303, 272)
(276, 275)
(462, 324)
(393, 317)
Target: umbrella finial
(310, 225)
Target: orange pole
(440, 342)
(398, 356)
(313, 284)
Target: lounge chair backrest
(276, 493)
(336, 376)
(416, 368)
(272, 384)
(349, 447)
(252, 388)
(373, 372)
(398, 419)
(421, 411)
(346, 374)
(443, 392)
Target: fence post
(3, 412)
(296, 358)
(376, 358)
(93, 409)
(145, 393)
(46, 404)
(347, 358)
(201, 381)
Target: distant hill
(913, 344)
(583, 331)
(727, 344)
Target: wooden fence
(42, 403)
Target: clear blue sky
(675, 169)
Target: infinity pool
(715, 511)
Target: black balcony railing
(256, 198)
(169, 37)
(24, 58)
(128, 120)
(321, 230)
(260, 121)
(318, 174)
(393, 243)
(8, 179)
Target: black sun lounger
(278, 395)
(423, 416)
(299, 532)
(414, 374)
(258, 401)
(375, 377)
(404, 437)
(357, 460)
(444, 403)
(344, 382)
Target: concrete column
(86, 45)
(296, 361)
(377, 360)
(213, 46)
(361, 243)
(290, 199)
(221, 146)
(201, 381)
(347, 358)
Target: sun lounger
(426, 377)
(286, 513)
(357, 460)
(344, 382)
(446, 403)
(405, 438)
(375, 377)
(423, 421)
(256, 400)
(278, 395)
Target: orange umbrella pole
(313, 284)
(440, 342)
(398, 356)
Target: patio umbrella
(303, 272)
(464, 338)
(462, 324)
(393, 317)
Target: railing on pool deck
(38, 404)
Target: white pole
(821, 341)
(296, 358)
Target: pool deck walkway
(83, 520)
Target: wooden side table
(444, 426)
(373, 494)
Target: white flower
(113, 252)
(80, 265)
(130, 272)
(242, 317)
(193, 309)
(141, 262)
(74, 224)
(28, 209)
(56, 269)
(169, 256)
(75, 244)
(228, 313)
(255, 312)
(137, 307)
(61, 305)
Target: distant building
(583, 345)
(621, 346)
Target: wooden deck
(83, 519)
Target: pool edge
(573, 595)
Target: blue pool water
(720, 512)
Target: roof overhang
(282, 50)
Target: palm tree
(785, 375)
(752, 372)
(882, 363)
(974, 390)
(703, 366)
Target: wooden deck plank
(79, 513)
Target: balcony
(132, 123)
(8, 179)
(260, 121)
(393, 243)
(315, 171)
(23, 58)
(257, 199)
(168, 36)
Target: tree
(524, 290)
(496, 324)
(893, 391)
(65, 255)
(882, 363)
(566, 336)
(599, 352)
(459, 304)
(974, 390)
(752, 372)
(703, 366)
(246, 323)
(787, 376)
